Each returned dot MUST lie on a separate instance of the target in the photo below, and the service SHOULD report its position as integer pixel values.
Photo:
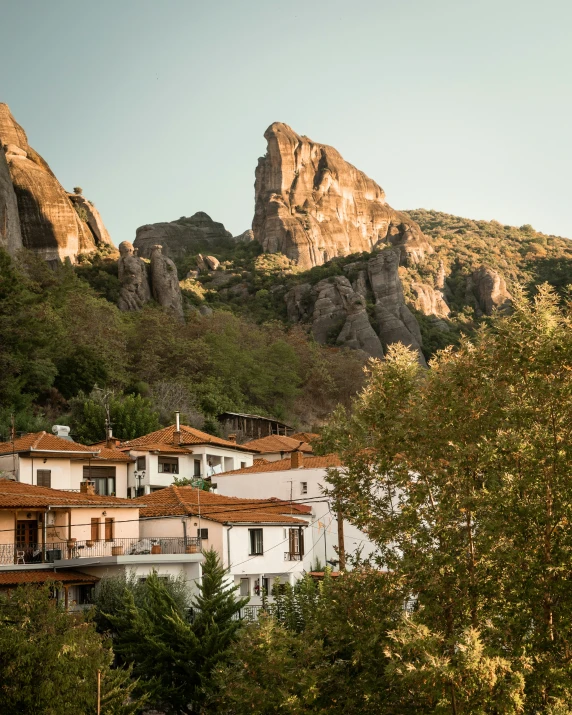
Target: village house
(301, 478)
(78, 537)
(182, 452)
(56, 461)
(258, 540)
(246, 426)
(277, 446)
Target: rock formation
(489, 289)
(165, 283)
(430, 301)
(396, 322)
(50, 226)
(245, 236)
(178, 238)
(10, 235)
(312, 205)
(134, 278)
(93, 219)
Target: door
(26, 532)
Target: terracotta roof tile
(189, 436)
(42, 441)
(278, 443)
(110, 454)
(175, 501)
(304, 436)
(282, 465)
(15, 578)
(28, 496)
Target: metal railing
(73, 549)
(292, 556)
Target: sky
(157, 108)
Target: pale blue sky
(157, 108)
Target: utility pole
(341, 543)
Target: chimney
(177, 432)
(232, 438)
(87, 487)
(108, 435)
(296, 460)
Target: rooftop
(185, 501)
(278, 443)
(16, 495)
(15, 578)
(165, 439)
(283, 465)
(45, 442)
(304, 436)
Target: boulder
(430, 301)
(490, 291)
(396, 322)
(10, 234)
(134, 279)
(358, 332)
(298, 303)
(165, 283)
(312, 205)
(212, 262)
(179, 238)
(49, 223)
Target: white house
(258, 540)
(301, 478)
(50, 460)
(183, 452)
(278, 446)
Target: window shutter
(95, 529)
(301, 542)
(109, 529)
(44, 477)
(98, 472)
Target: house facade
(181, 452)
(48, 460)
(258, 540)
(302, 479)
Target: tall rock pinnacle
(312, 205)
(50, 225)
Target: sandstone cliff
(50, 226)
(165, 283)
(312, 205)
(10, 235)
(178, 238)
(134, 278)
(489, 289)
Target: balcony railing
(292, 556)
(73, 549)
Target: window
(109, 529)
(168, 465)
(203, 534)
(256, 543)
(103, 479)
(44, 477)
(303, 487)
(244, 587)
(296, 543)
(243, 465)
(140, 492)
(26, 532)
(95, 529)
(197, 472)
(85, 594)
(140, 463)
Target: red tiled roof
(282, 465)
(304, 436)
(189, 436)
(278, 443)
(15, 578)
(44, 442)
(175, 501)
(17, 495)
(110, 454)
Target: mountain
(54, 224)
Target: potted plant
(89, 543)
(191, 549)
(71, 542)
(117, 550)
(155, 547)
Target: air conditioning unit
(50, 518)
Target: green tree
(50, 660)
(131, 416)
(460, 474)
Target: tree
(50, 660)
(78, 190)
(175, 657)
(460, 474)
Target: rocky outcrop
(430, 301)
(50, 226)
(134, 278)
(10, 235)
(245, 236)
(92, 218)
(299, 303)
(312, 205)
(396, 322)
(179, 238)
(165, 283)
(490, 291)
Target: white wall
(322, 536)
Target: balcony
(73, 549)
